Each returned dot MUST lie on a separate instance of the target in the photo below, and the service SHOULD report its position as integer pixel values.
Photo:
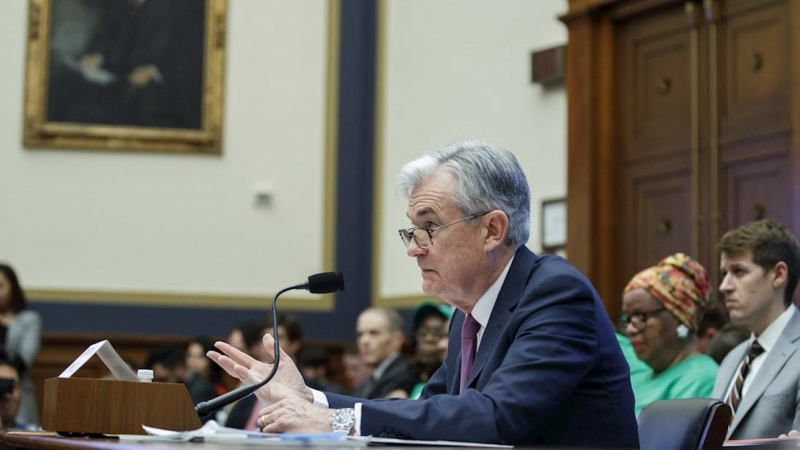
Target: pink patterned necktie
(469, 343)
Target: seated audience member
(313, 364)
(539, 364)
(662, 307)
(712, 322)
(198, 364)
(10, 397)
(726, 340)
(169, 366)
(759, 264)
(356, 372)
(245, 337)
(20, 338)
(379, 333)
(429, 328)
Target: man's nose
(415, 250)
(726, 285)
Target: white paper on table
(213, 432)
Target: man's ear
(495, 229)
(780, 274)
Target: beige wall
(181, 223)
(139, 222)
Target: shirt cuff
(357, 427)
(320, 400)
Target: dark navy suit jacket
(549, 371)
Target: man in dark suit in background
(380, 338)
(540, 362)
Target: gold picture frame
(125, 75)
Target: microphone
(320, 283)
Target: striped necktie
(735, 395)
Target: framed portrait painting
(141, 75)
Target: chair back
(686, 423)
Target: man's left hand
(295, 416)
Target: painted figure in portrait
(126, 63)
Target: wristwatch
(343, 420)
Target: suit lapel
(776, 359)
(510, 294)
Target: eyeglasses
(425, 240)
(435, 333)
(638, 320)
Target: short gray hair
(487, 178)
(394, 321)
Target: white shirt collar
(770, 335)
(483, 308)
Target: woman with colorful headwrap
(662, 307)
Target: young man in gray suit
(759, 379)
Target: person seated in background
(662, 307)
(169, 366)
(313, 364)
(759, 266)
(379, 333)
(712, 322)
(429, 328)
(199, 366)
(20, 338)
(246, 337)
(726, 340)
(356, 372)
(10, 396)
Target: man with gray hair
(379, 333)
(532, 357)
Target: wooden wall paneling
(655, 85)
(658, 94)
(580, 160)
(591, 163)
(756, 177)
(659, 193)
(794, 94)
(754, 69)
(793, 14)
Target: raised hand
(287, 383)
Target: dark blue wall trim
(108, 320)
(354, 197)
(356, 138)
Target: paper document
(110, 358)
(213, 432)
